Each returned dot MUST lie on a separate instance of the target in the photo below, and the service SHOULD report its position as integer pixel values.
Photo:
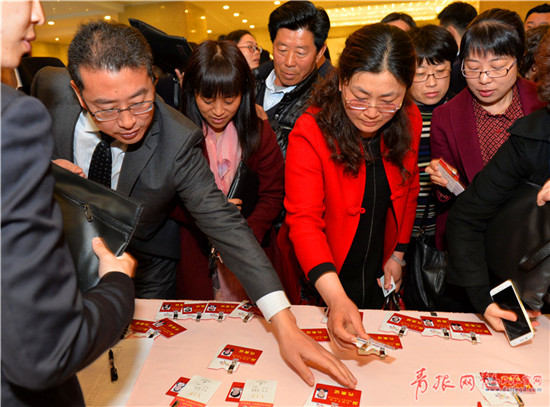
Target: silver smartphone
(506, 296)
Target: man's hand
(108, 262)
(298, 350)
(70, 166)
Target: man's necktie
(102, 162)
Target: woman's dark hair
(533, 39)
(399, 16)
(374, 48)
(236, 35)
(218, 68)
(497, 31)
(433, 44)
(542, 61)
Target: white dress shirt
(86, 138)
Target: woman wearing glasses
(351, 178)
(248, 46)
(467, 131)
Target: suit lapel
(137, 157)
(465, 131)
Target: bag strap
(422, 228)
(535, 257)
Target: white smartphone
(506, 296)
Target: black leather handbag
(245, 186)
(91, 210)
(426, 272)
(517, 243)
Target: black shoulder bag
(517, 243)
(91, 210)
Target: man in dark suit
(49, 330)
(157, 160)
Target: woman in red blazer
(218, 95)
(468, 130)
(351, 177)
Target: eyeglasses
(491, 73)
(423, 77)
(252, 48)
(362, 105)
(113, 114)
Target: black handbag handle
(535, 257)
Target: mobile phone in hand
(506, 296)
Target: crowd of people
(340, 164)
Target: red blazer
(193, 275)
(323, 203)
(454, 137)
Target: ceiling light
(51, 22)
(203, 17)
(236, 14)
(107, 17)
(226, 7)
(252, 26)
(361, 15)
(276, 3)
(245, 20)
(57, 38)
(209, 31)
(186, 11)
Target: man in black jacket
(298, 31)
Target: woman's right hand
(344, 321)
(70, 166)
(345, 324)
(435, 174)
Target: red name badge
(391, 341)
(317, 334)
(468, 327)
(243, 355)
(414, 324)
(167, 327)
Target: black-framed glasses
(423, 77)
(252, 48)
(491, 73)
(386, 108)
(113, 114)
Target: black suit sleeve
(476, 206)
(49, 330)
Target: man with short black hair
(298, 31)
(455, 18)
(539, 15)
